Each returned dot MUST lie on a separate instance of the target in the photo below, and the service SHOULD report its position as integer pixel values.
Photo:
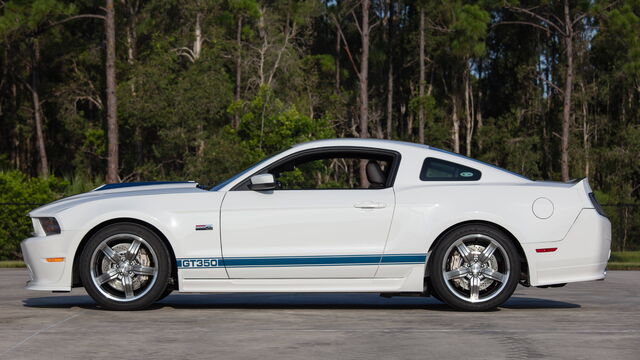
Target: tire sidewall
(164, 266)
(441, 288)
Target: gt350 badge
(197, 263)
(204, 227)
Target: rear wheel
(125, 267)
(475, 268)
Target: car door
(310, 232)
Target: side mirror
(262, 182)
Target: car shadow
(293, 301)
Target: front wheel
(125, 267)
(475, 268)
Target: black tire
(474, 285)
(432, 290)
(166, 292)
(121, 276)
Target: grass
(625, 256)
(620, 260)
(11, 264)
(624, 260)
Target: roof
(382, 143)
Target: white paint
(326, 222)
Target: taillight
(596, 204)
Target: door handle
(370, 205)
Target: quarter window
(441, 170)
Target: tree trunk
(236, 117)
(479, 108)
(468, 105)
(197, 44)
(364, 78)
(409, 112)
(390, 50)
(455, 133)
(568, 87)
(132, 41)
(421, 85)
(338, 42)
(364, 71)
(585, 131)
(43, 163)
(112, 119)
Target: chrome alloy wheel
(476, 268)
(124, 267)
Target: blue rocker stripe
(322, 260)
(404, 258)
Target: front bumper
(582, 255)
(43, 275)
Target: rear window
(440, 170)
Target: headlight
(49, 225)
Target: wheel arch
(75, 277)
(509, 234)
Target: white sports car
(343, 215)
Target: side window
(440, 170)
(333, 171)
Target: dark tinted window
(441, 170)
(327, 170)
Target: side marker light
(55, 260)
(545, 250)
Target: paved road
(594, 320)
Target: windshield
(243, 172)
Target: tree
(112, 103)
(241, 10)
(23, 21)
(422, 79)
(567, 27)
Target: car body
(249, 234)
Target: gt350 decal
(197, 263)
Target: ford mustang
(341, 215)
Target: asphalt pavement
(592, 320)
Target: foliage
(183, 114)
(16, 188)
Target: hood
(110, 191)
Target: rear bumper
(582, 255)
(43, 275)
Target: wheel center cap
(475, 268)
(125, 267)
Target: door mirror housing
(262, 182)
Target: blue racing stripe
(302, 261)
(403, 259)
(144, 183)
(299, 261)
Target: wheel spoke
(493, 275)
(108, 276)
(128, 286)
(144, 270)
(487, 253)
(456, 273)
(133, 249)
(464, 252)
(111, 255)
(474, 288)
